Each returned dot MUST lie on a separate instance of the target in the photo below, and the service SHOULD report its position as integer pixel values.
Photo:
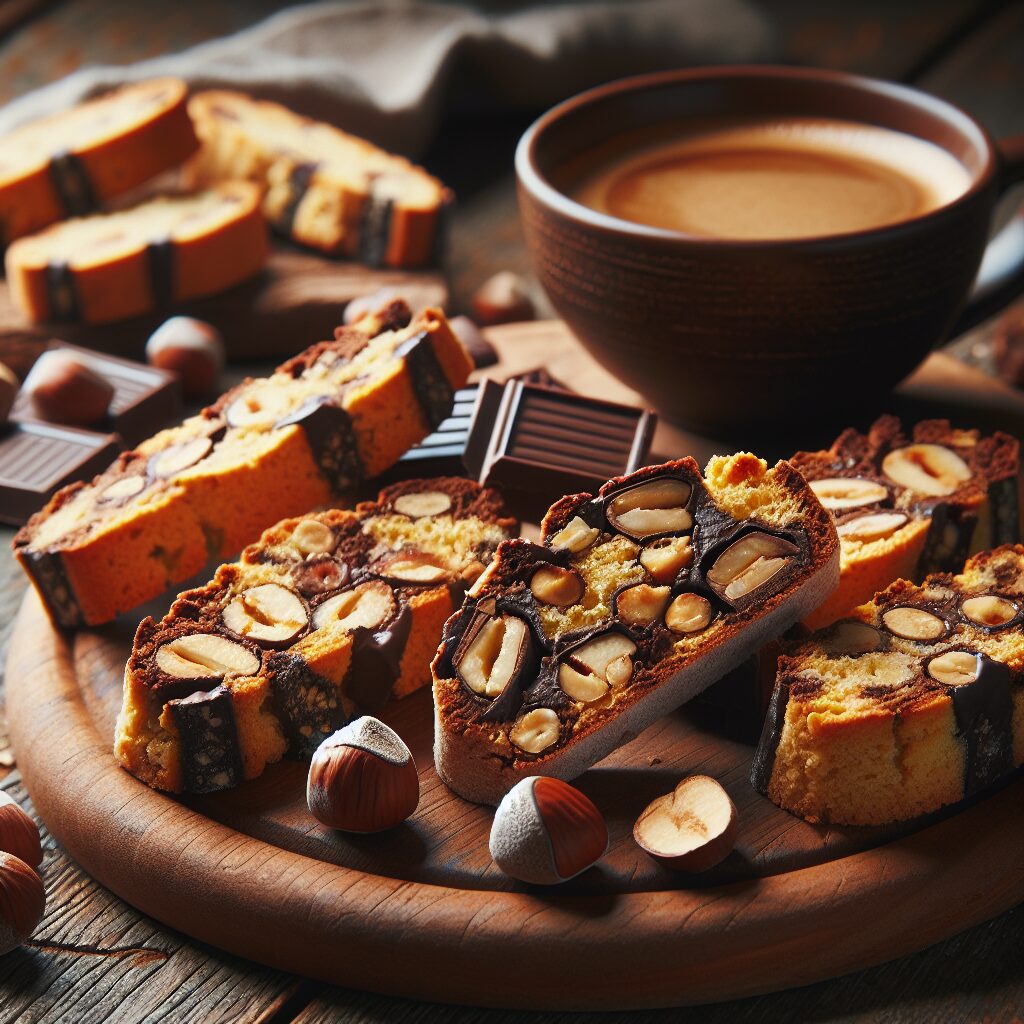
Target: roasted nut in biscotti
(546, 831)
(689, 613)
(665, 558)
(651, 508)
(551, 584)
(9, 385)
(368, 605)
(362, 779)
(19, 834)
(193, 349)
(989, 610)
(418, 504)
(642, 604)
(872, 527)
(930, 469)
(843, 493)
(123, 489)
(691, 829)
(589, 671)
(179, 457)
(502, 299)
(412, 567)
(535, 731)
(493, 654)
(63, 389)
(954, 668)
(853, 638)
(22, 901)
(575, 536)
(311, 537)
(205, 656)
(270, 614)
(913, 624)
(748, 564)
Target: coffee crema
(776, 179)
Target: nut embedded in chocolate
(748, 564)
(929, 469)
(954, 668)
(650, 508)
(989, 610)
(664, 559)
(689, 613)
(270, 614)
(590, 671)
(642, 604)
(536, 731)
(840, 493)
(553, 585)
(366, 606)
(493, 653)
(205, 656)
(913, 624)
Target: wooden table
(95, 958)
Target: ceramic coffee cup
(723, 334)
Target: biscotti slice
(112, 266)
(320, 621)
(908, 506)
(635, 601)
(69, 164)
(914, 702)
(322, 187)
(278, 446)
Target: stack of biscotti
(342, 411)
(71, 163)
(321, 186)
(319, 622)
(914, 702)
(907, 506)
(634, 601)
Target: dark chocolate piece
(210, 755)
(375, 228)
(145, 398)
(71, 182)
(298, 184)
(311, 706)
(771, 733)
(376, 662)
(37, 459)
(328, 428)
(61, 293)
(1004, 509)
(433, 392)
(161, 272)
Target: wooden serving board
(422, 912)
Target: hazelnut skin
(193, 349)
(362, 779)
(9, 385)
(63, 389)
(18, 832)
(22, 901)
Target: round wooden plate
(421, 911)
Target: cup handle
(1001, 274)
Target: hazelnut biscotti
(908, 506)
(71, 163)
(165, 251)
(914, 702)
(342, 411)
(635, 600)
(321, 186)
(319, 622)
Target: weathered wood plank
(95, 959)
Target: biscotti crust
(474, 752)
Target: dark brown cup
(725, 335)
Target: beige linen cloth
(388, 70)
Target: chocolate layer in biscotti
(635, 600)
(907, 506)
(325, 618)
(912, 703)
(321, 186)
(273, 447)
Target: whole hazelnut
(64, 389)
(193, 349)
(546, 831)
(22, 901)
(9, 385)
(362, 778)
(502, 299)
(18, 832)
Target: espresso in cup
(779, 178)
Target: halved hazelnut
(849, 638)
(926, 469)
(493, 653)
(989, 610)
(123, 489)
(551, 584)
(653, 507)
(311, 537)
(693, 828)
(420, 504)
(367, 606)
(575, 536)
(641, 604)
(260, 405)
(689, 613)
(954, 668)
(205, 656)
(269, 614)
(874, 526)
(536, 731)
(665, 558)
(320, 575)
(416, 567)
(838, 493)
(179, 457)
(749, 563)
(913, 623)
(589, 671)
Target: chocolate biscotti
(321, 186)
(635, 600)
(71, 163)
(168, 250)
(907, 506)
(914, 702)
(342, 411)
(319, 622)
